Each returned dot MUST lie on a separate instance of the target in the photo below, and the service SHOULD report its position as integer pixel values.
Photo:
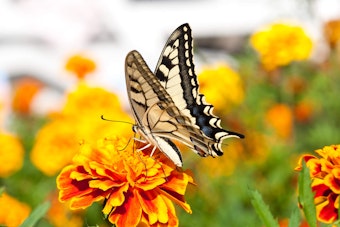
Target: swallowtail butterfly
(166, 104)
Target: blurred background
(62, 66)
(37, 36)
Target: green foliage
(262, 210)
(306, 196)
(36, 215)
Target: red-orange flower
(136, 188)
(280, 117)
(303, 111)
(80, 66)
(325, 175)
(24, 92)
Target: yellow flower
(58, 141)
(225, 93)
(86, 101)
(136, 188)
(56, 144)
(280, 117)
(11, 153)
(13, 212)
(332, 32)
(80, 66)
(60, 215)
(280, 44)
(325, 175)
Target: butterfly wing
(157, 118)
(175, 71)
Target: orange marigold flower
(80, 66)
(11, 153)
(24, 92)
(280, 117)
(229, 90)
(280, 44)
(332, 32)
(136, 188)
(16, 212)
(325, 175)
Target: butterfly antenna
(106, 119)
(127, 144)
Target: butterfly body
(167, 105)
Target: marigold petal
(333, 183)
(326, 166)
(104, 184)
(79, 192)
(86, 200)
(315, 167)
(153, 205)
(115, 199)
(129, 214)
(173, 220)
(320, 190)
(177, 182)
(80, 173)
(151, 183)
(326, 211)
(179, 199)
(102, 170)
(304, 158)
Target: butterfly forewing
(175, 71)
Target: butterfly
(167, 105)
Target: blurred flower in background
(222, 86)
(60, 215)
(13, 212)
(332, 32)
(280, 118)
(325, 175)
(12, 154)
(80, 66)
(137, 188)
(304, 111)
(279, 44)
(24, 92)
(80, 119)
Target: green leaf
(2, 190)
(262, 209)
(306, 196)
(36, 215)
(294, 220)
